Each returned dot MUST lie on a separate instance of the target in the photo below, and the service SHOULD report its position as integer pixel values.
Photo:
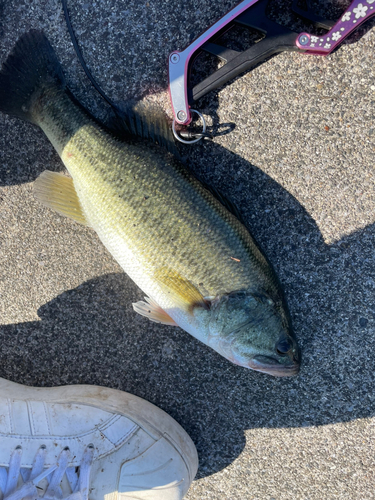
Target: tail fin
(31, 66)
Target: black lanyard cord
(82, 61)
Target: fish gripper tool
(276, 38)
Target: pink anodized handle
(178, 64)
(357, 13)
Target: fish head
(253, 330)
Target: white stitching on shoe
(30, 417)
(109, 430)
(46, 411)
(148, 471)
(10, 416)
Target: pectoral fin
(180, 290)
(57, 191)
(153, 312)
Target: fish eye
(283, 347)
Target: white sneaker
(86, 442)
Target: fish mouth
(271, 366)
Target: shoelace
(79, 482)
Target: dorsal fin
(143, 121)
(222, 198)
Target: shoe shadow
(91, 335)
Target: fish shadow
(91, 335)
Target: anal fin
(57, 191)
(153, 312)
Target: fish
(195, 261)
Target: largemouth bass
(195, 261)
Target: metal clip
(193, 141)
